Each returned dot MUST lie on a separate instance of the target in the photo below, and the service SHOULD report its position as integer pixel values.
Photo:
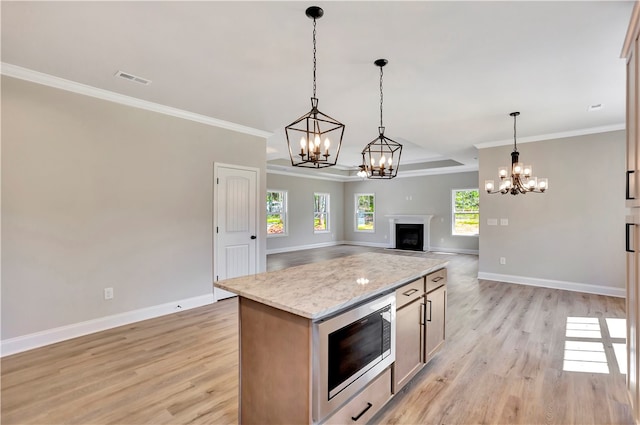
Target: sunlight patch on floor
(583, 327)
(583, 356)
(589, 342)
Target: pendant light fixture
(521, 180)
(314, 139)
(381, 157)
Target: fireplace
(410, 236)
(423, 220)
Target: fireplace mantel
(410, 219)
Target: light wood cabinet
(435, 311)
(366, 404)
(631, 51)
(420, 325)
(409, 341)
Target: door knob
(253, 236)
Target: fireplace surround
(424, 219)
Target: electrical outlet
(504, 222)
(108, 293)
(503, 260)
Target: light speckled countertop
(320, 289)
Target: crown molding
(551, 136)
(316, 176)
(401, 174)
(26, 74)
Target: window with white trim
(276, 212)
(465, 212)
(320, 212)
(365, 212)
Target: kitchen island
(281, 315)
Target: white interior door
(235, 221)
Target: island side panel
(275, 365)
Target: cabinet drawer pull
(410, 292)
(628, 192)
(355, 418)
(628, 238)
(423, 313)
(430, 308)
(437, 279)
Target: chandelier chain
(314, 58)
(515, 146)
(381, 96)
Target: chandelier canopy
(521, 180)
(381, 157)
(319, 135)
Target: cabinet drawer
(409, 292)
(436, 279)
(366, 404)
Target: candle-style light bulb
(488, 185)
(517, 168)
(543, 184)
(382, 159)
(327, 143)
(316, 142)
(303, 144)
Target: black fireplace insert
(410, 236)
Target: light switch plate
(492, 221)
(504, 222)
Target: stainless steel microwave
(351, 349)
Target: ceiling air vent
(131, 77)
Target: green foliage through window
(276, 212)
(320, 212)
(365, 212)
(466, 212)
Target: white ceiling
(456, 69)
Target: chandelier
(521, 179)
(381, 157)
(314, 130)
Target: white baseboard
(51, 336)
(431, 249)
(303, 247)
(373, 244)
(436, 249)
(555, 284)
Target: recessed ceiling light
(131, 77)
(595, 107)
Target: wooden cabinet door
(436, 307)
(633, 150)
(633, 306)
(409, 342)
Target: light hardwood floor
(503, 362)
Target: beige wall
(300, 192)
(574, 232)
(95, 195)
(412, 195)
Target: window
(465, 212)
(276, 213)
(365, 212)
(320, 212)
